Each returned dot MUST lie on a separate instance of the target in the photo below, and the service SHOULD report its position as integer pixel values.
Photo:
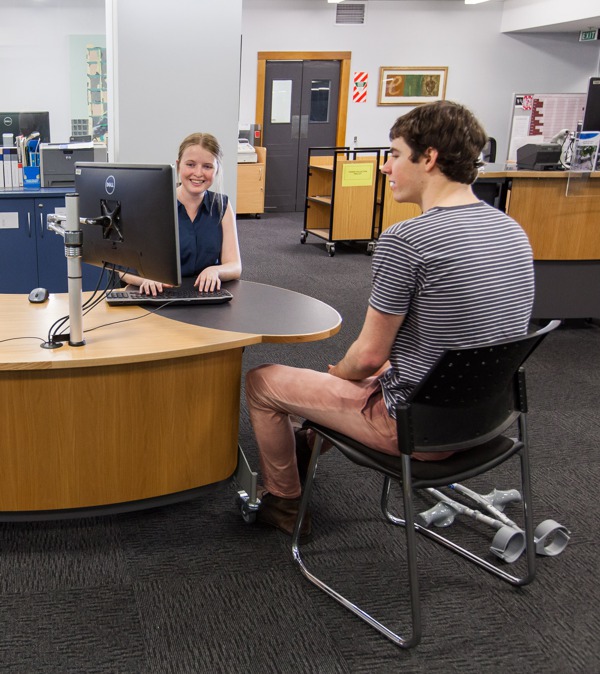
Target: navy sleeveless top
(200, 241)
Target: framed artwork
(411, 85)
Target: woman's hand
(148, 287)
(208, 280)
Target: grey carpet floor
(192, 588)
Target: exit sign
(587, 35)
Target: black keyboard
(168, 295)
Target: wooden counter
(559, 226)
(148, 408)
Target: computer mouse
(38, 295)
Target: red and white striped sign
(359, 94)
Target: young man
(459, 274)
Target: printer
(539, 156)
(246, 153)
(57, 161)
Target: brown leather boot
(282, 514)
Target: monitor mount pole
(73, 236)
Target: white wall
(173, 70)
(34, 59)
(485, 66)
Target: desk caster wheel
(330, 249)
(247, 508)
(303, 237)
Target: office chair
(489, 151)
(466, 403)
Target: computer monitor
(591, 118)
(128, 215)
(26, 123)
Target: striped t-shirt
(461, 275)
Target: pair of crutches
(509, 543)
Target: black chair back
(489, 151)
(470, 395)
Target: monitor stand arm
(71, 233)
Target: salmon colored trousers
(275, 393)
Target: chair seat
(459, 466)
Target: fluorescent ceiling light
(336, 2)
(474, 2)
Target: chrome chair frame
(480, 446)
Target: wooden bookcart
(341, 192)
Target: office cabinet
(341, 191)
(251, 185)
(18, 246)
(30, 254)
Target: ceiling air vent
(349, 13)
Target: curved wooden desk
(148, 408)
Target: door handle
(29, 225)
(41, 223)
(304, 126)
(295, 126)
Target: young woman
(208, 242)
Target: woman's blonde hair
(209, 143)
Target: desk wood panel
(148, 407)
(97, 436)
(559, 227)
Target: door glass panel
(281, 101)
(319, 100)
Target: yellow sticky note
(357, 174)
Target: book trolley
(341, 196)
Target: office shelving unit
(341, 194)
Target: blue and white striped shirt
(461, 275)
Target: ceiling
(569, 26)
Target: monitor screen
(26, 123)
(128, 215)
(591, 118)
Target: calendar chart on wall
(536, 118)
